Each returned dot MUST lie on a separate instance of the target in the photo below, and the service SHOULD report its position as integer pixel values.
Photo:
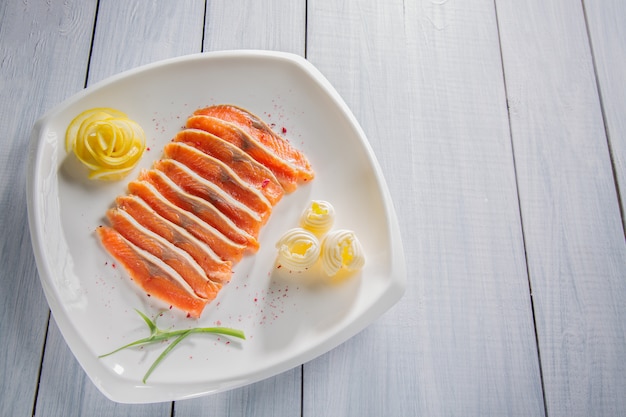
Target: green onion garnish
(157, 335)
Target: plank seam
(203, 30)
(40, 370)
(93, 37)
(302, 390)
(604, 120)
(521, 216)
(306, 28)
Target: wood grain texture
(43, 52)
(277, 25)
(574, 237)
(493, 202)
(130, 34)
(425, 80)
(607, 32)
(276, 396)
(67, 391)
(127, 34)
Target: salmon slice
(285, 173)
(258, 129)
(224, 247)
(213, 266)
(217, 172)
(204, 210)
(248, 169)
(152, 275)
(192, 183)
(179, 260)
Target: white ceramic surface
(288, 318)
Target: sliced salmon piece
(217, 172)
(152, 275)
(247, 168)
(179, 260)
(204, 210)
(223, 246)
(192, 183)
(258, 129)
(213, 266)
(286, 174)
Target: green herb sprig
(158, 335)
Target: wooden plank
(425, 80)
(276, 396)
(43, 50)
(248, 24)
(127, 34)
(574, 237)
(67, 391)
(277, 25)
(138, 33)
(607, 32)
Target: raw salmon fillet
(179, 260)
(217, 172)
(150, 274)
(203, 209)
(257, 128)
(282, 170)
(188, 181)
(185, 222)
(247, 168)
(224, 247)
(215, 268)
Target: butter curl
(298, 249)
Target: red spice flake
(265, 182)
(188, 315)
(218, 323)
(256, 299)
(148, 149)
(284, 130)
(113, 266)
(228, 342)
(279, 266)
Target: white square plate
(287, 319)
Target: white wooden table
(501, 130)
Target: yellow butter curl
(341, 249)
(106, 141)
(298, 249)
(318, 217)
